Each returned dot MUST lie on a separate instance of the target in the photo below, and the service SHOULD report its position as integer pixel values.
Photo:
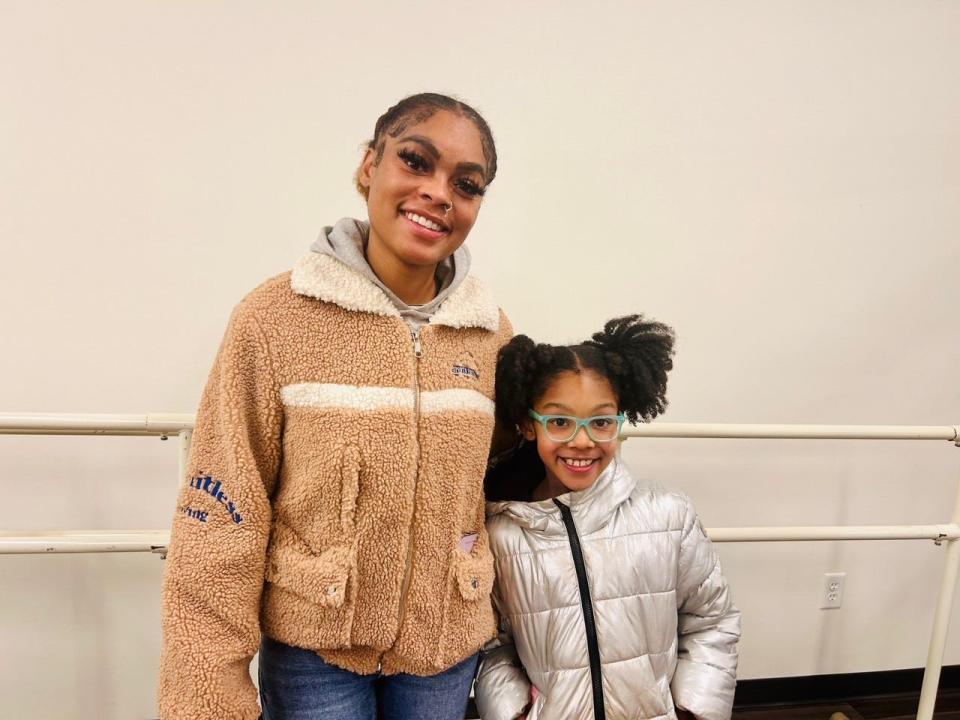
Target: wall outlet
(833, 590)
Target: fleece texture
(347, 242)
(336, 465)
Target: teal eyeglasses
(563, 428)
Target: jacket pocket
(320, 479)
(474, 574)
(467, 612)
(319, 579)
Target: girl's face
(424, 192)
(576, 464)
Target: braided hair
(633, 354)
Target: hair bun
(627, 333)
(639, 354)
(516, 368)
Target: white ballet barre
(939, 534)
(815, 533)
(161, 424)
(950, 433)
(165, 425)
(84, 541)
(156, 541)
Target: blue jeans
(296, 684)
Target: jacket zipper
(408, 568)
(593, 649)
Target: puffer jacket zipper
(593, 649)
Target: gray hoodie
(347, 242)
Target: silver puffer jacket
(657, 603)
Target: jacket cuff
(503, 697)
(704, 690)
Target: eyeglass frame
(584, 423)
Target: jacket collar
(591, 508)
(326, 278)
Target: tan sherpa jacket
(336, 468)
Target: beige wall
(779, 180)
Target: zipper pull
(417, 347)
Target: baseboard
(826, 688)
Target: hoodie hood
(347, 240)
(336, 271)
(591, 508)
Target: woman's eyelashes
(419, 164)
(469, 187)
(413, 160)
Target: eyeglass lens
(564, 428)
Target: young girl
(333, 514)
(609, 592)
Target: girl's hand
(534, 693)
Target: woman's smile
(425, 225)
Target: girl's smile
(579, 465)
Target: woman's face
(424, 192)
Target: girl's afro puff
(638, 354)
(633, 354)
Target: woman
(333, 516)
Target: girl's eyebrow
(431, 150)
(561, 406)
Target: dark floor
(810, 712)
(901, 706)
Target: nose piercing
(447, 207)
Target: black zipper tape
(599, 713)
